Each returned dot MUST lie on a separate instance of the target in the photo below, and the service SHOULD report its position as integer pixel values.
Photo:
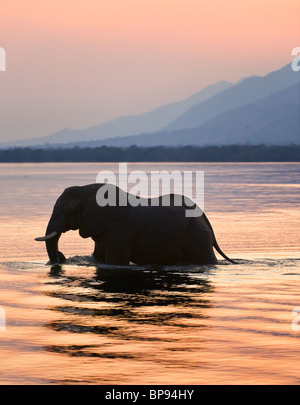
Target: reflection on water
(129, 325)
(124, 296)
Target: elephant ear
(74, 205)
(96, 220)
(71, 200)
(93, 219)
(70, 204)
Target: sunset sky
(77, 63)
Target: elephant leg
(99, 250)
(99, 254)
(198, 247)
(202, 255)
(117, 247)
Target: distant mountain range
(274, 120)
(247, 91)
(255, 110)
(128, 125)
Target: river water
(95, 324)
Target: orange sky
(76, 63)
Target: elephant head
(76, 208)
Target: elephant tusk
(47, 237)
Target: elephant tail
(216, 246)
(218, 249)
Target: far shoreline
(155, 154)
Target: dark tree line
(231, 153)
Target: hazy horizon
(77, 64)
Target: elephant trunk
(54, 230)
(52, 248)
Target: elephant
(148, 233)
